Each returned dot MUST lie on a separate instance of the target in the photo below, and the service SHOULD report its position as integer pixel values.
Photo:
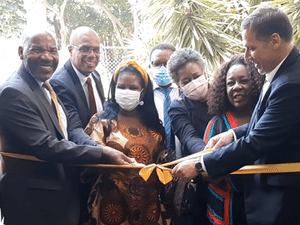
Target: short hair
(162, 46)
(180, 58)
(268, 20)
(79, 32)
(31, 33)
(218, 102)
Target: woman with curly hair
(233, 96)
(130, 124)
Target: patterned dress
(121, 196)
(225, 200)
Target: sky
(9, 59)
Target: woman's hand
(185, 170)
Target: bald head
(81, 31)
(28, 35)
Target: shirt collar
(40, 83)
(270, 76)
(81, 76)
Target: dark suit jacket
(272, 136)
(189, 120)
(38, 192)
(66, 84)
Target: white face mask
(196, 89)
(127, 99)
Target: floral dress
(121, 196)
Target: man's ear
(70, 48)
(276, 40)
(20, 52)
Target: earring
(141, 102)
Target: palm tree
(211, 27)
(292, 9)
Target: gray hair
(180, 58)
(30, 34)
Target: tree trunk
(63, 28)
(60, 14)
(114, 21)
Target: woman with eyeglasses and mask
(233, 96)
(130, 124)
(189, 117)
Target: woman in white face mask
(189, 118)
(130, 124)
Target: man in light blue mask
(164, 93)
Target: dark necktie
(167, 122)
(55, 104)
(92, 101)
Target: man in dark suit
(273, 134)
(71, 85)
(71, 82)
(35, 192)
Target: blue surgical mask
(161, 76)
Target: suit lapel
(261, 104)
(290, 60)
(42, 99)
(76, 82)
(99, 86)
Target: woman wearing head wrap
(130, 124)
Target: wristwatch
(198, 165)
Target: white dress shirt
(82, 79)
(62, 112)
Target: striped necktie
(55, 105)
(167, 121)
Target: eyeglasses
(159, 64)
(87, 49)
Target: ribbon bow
(164, 174)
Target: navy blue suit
(272, 136)
(66, 84)
(38, 192)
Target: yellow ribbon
(164, 174)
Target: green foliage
(11, 18)
(86, 13)
(211, 27)
(199, 25)
(293, 12)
